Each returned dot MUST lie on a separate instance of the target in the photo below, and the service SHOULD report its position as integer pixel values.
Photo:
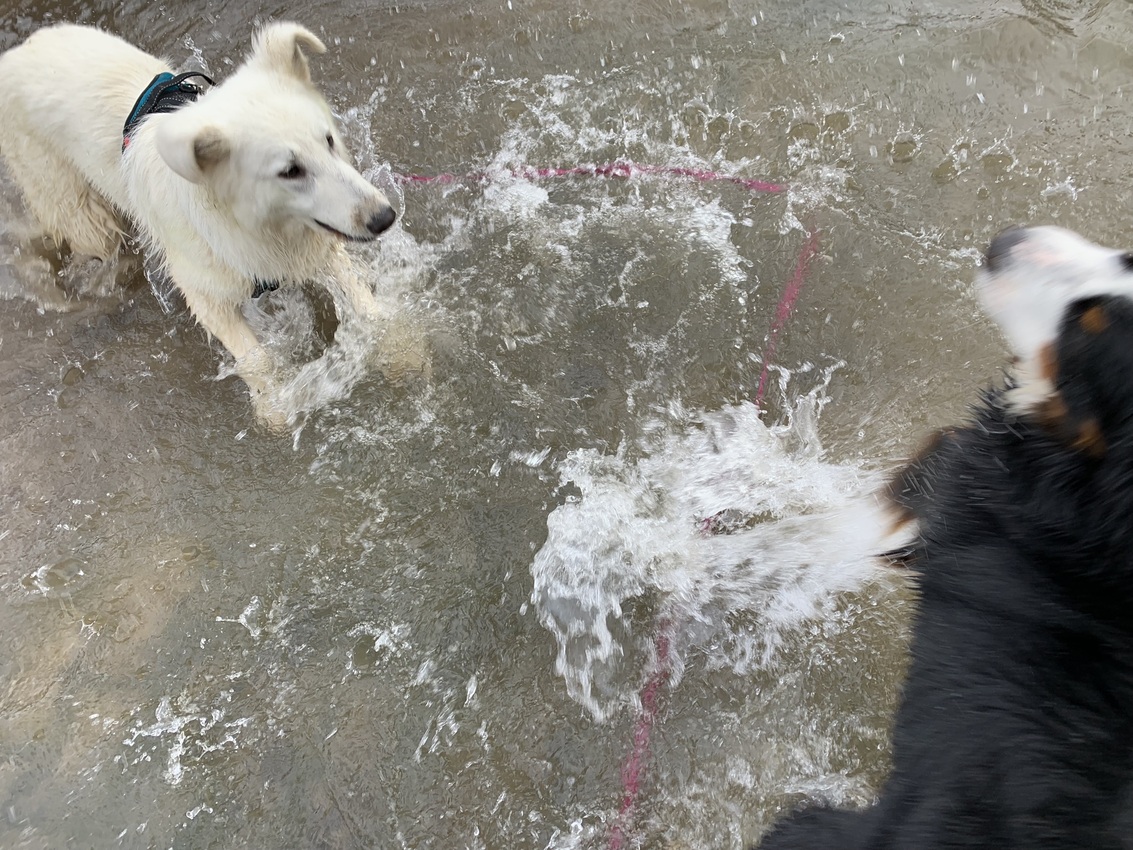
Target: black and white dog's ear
(280, 47)
(193, 150)
(1091, 368)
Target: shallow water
(426, 619)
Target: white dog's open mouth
(369, 237)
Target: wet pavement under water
(424, 620)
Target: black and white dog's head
(1059, 436)
(1066, 308)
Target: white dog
(246, 186)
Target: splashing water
(310, 375)
(807, 531)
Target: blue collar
(165, 93)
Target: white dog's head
(265, 142)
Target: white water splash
(393, 343)
(808, 529)
(182, 731)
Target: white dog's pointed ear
(280, 46)
(191, 150)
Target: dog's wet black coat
(1016, 724)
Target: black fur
(1016, 723)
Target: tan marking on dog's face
(1090, 439)
(901, 523)
(901, 531)
(1052, 411)
(1094, 320)
(1048, 362)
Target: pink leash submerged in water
(783, 312)
(619, 169)
(633, 768)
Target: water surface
(425, 621)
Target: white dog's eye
(1127, 261)
(330, 141)
(293, 172)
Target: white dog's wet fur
(250, 183)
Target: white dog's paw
(265, 384)
(30, 276)
(270, 414)
(92, 276)
(401, 351)
(404, 364)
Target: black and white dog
(1016, 724)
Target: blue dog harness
(165, 93)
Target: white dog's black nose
(1001, 246)
(380, 222)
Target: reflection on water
(425, 621)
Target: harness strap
(259, 287)
(165, 93)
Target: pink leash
(786, 306)
(619, 169)
(633, 769)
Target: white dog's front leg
(225, 322)
(397, 345)
(353, 298)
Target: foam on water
(807, 529)
(444, 269)
(189, 731)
